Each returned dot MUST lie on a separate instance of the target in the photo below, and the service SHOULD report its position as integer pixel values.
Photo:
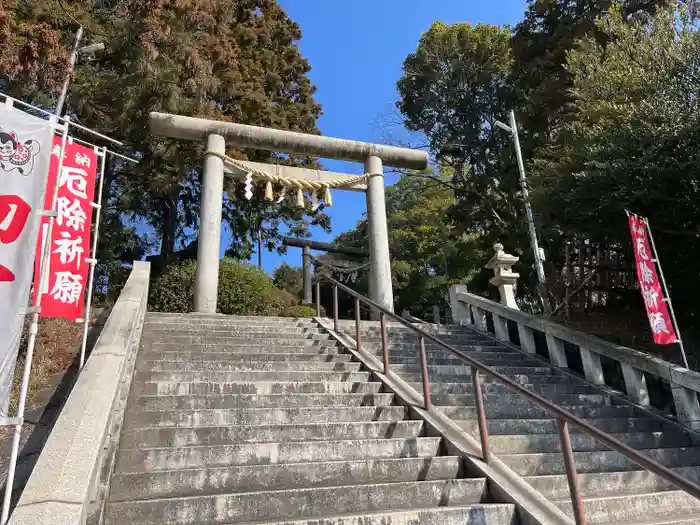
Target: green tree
(289, 278)
(541, 41)
(236, 61)
(428, 249)
(454, 88)
(633, 140)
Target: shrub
(300, 310)
(243, 290)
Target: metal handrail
(563, 417)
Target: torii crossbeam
(217, 134)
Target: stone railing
(470, 309)
(67, 481)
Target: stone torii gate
(217, 134)
(306, 245)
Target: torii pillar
(216, 134)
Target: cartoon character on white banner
(15, 155)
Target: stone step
(453, 361)
(261, 416)
(559, 379)
(609, 483)
(178, 388)
(225, 352)
(177, 458)
(296, 504)
(226, 321)
(242, 339)
(545, 389)
(651, 507)
(549, 425)
(456, 341)
(688, 519)
(465, 370)
(247, 478)
(233, 330)
(530, 411)
(597, 461)
(441, 354)
(412, 348)
(181, 437)
(516, 400)
(223, 366)
(252, 375)
(190, 402)
(402, 331)
(240, 357)
(254, 345)
(546, 443)
(199, 316)
(475, 514)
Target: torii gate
(306, 245)
(217, 134)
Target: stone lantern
(504, 277)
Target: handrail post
(357, 323)
(571, 474)
(480, 415)
(335, 307)
(424, 373)
(318, 298)
(385, 342)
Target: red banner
(70, 239)
(659, 318)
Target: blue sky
(356, 49)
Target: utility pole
(539, 267)
(73, 59)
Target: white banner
(25, 153)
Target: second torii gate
(306, 245)
(217, 134)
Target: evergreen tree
(541, 41)
(219, 59)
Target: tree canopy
(632, 140)
(235, 61)
(605, 97)
(428, 249)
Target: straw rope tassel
(287, 183)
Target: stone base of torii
(217, 134)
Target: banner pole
(93, 258)
(31, 340)
(679, 339)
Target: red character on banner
(657, 310)
(70, 238)
(14, 212)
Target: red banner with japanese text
(64, 289)
(657, 310)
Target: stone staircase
(266, 420)
(615, 490)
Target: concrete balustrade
(67, 484)
(685, 384)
